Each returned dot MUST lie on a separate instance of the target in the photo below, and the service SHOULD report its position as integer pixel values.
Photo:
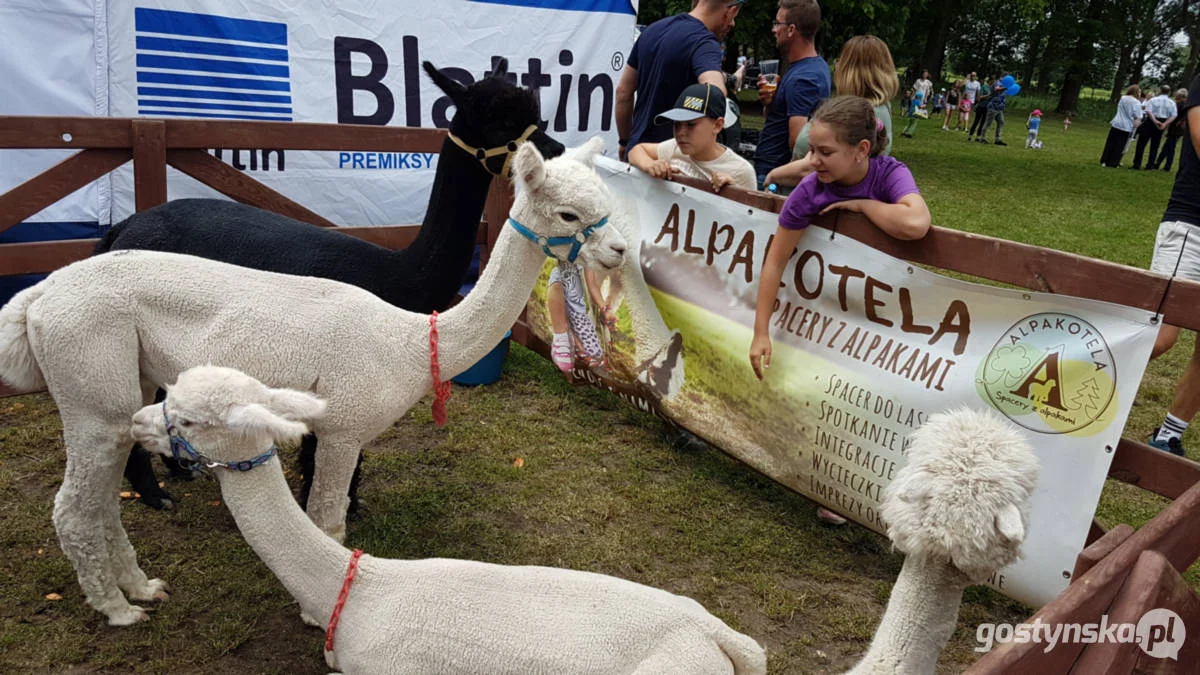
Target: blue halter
(190, 458)
(576, 240)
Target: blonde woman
(864, 68)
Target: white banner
(867, 347)
(351, 62)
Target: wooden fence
(1121, 573)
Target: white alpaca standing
(105, 332)
(427, 616)
(959, 510)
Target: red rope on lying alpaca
(441, 390)
(351, 571)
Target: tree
(1191, 19)
(1079, 66)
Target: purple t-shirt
(887, 180)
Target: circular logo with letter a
(1051, 373)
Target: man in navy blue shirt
(800, 90)
(671, 54)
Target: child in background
(917, 109)
(952, 98)
(906, 103)
(849, 174)
(1033, 124)
(1067, 123)
(939, 102)
(964, 114)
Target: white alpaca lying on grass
(425, 616)
(959, 510)
(105, 332)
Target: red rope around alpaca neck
(441, 390)
(351, 571)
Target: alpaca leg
(122, 557)
(86, 509)
(308, 466)
(308, 462)
(139, 469)
(123, 560)
(329, 499)
(355, 504)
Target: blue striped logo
(201, 65)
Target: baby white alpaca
(426, 616)
(959, 510)
(104, 332)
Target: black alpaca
(490, 115)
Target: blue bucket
(486, 370)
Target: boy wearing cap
(698, 116)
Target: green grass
(602, 487)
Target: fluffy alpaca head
(493, 111)
(963, 497)
(561, 196)
(226, 414)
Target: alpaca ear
(529, 167)
(450, 87)
(1008, 522)
(586, 153)
(501, 68)
(256, 417)
(296, 405)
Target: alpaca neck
(309, 563)
(920, 618)
(443, 248)
(650, 333)
(470, 330)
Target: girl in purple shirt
(850, 174)
(845, 139)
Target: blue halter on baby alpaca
(576, 240)
(194, 458)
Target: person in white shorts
(1177, 253)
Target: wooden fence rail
(1120, 571)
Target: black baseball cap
(698, 100)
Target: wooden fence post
(149, 163)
